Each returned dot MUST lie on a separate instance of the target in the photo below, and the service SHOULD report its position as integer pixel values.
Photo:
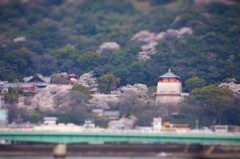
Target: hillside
(136, 40)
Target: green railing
(85, 137)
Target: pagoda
(169, 88)
(72, 76)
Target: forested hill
(190, 37)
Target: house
(167, 126)
(98, 111)
(119, 126)
(157, 124)
(50, 120)
(224, 128)
(89, 124)
(112, 115)
(39, 81)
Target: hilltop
(135, 40)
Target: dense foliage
(47, 37)
(64, 36)
(210, 105)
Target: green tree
(60, 80)
(20, 58)
(160, 2)
(215, 100)
(193, 83)
(81, 88)
(45, 64)
(136, 73)
(34, 117)
(66, 52)
(88, 60)
(78, 114)
(11, 96)
(106, 82)
(64, 119)
(102, 87)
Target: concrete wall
(164, 99)
(169, 88)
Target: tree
(82, 89)
(20, 60)
(102, 87)
(60, 80)
(88, 60)
(160, 2)
(66, 52)
(193, 83)
(45, 64)
(106, 82)
(137, 73)
(11, 96)
(34, 117)
(130, 104)
(77, 114)
(215, 100)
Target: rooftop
(39, 77)
(169, 74)
(72, 74)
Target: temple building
(169, 88)
(25, 87)
(39, 81)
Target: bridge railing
(120, 131)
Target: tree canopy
(50, 37)
(193, 83)
(214, 99)
(108, 82)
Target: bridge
(61, 139)
(88, 137)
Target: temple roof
(169, 74)
(20, 85)
(38, 78)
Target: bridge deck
(85, 137)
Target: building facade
(157, 124)
(25, 87)
(169, 88)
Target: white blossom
(87, 80)
(45, 99)
(144, 36)
(19, 39)
(138, 89)
(150, 40)
(108, 46)
(102, 101)
(231, 84)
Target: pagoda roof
(169, 74)
(72, 74)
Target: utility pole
(197, 124)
